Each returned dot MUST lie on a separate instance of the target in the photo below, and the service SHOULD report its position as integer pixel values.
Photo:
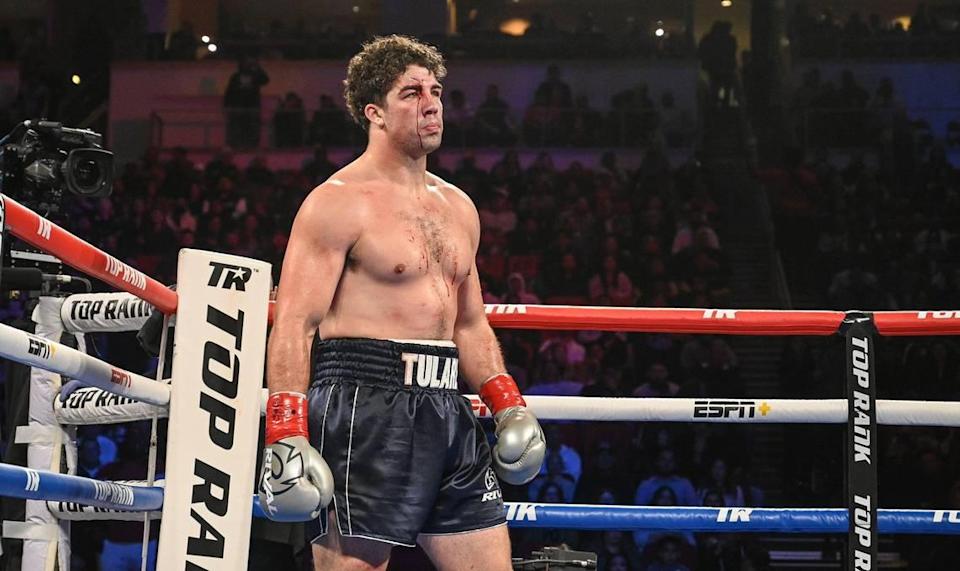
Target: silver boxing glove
(296, 482)
(521, 447)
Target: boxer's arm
(480, 355)
(325, 228)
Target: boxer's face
(412, 114)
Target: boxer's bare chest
(412, 239)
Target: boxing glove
(520, 448)
(295, 483)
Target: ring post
(218, 362)
(863, 548)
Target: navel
(399, 268)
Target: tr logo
(734, 515)
(229, 276)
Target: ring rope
(97, 406)
(41, 233)
(21, 482)
(36, 351)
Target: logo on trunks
(229, 276)
(729, 409)
(490, 481)
(40, 348)
(111, 309)
(430, 370)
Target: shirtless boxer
(381, 261)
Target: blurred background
(684, 153)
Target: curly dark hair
(371, 73)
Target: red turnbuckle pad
(286, 416)
(500, 392)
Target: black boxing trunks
(408, 455)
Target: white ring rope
(58, 358)
(95, 406)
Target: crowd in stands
(556, 118)
(873, 228)
(844, 114)
(932, 31)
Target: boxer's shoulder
(458, 200)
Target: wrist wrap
(499, 392)
(286, 416)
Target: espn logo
(39, 348)
(120, 377)
(229, 276)
(729, 409)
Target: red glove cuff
(500, 392)
(286, 416)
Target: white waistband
(428, 342)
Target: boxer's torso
(401, 277)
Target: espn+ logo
(729, 409)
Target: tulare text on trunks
(430, 370)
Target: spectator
(458, 121)
(567, 280)
(183, 43)
(658, 383)
(493, 119)
(666, 476)
(517, 291)
(718, 55)
(675, 123)
(646, 541)
(241, 103)
(718, 481)
(554, 484)
(554, 89)
(668, 554)
(609, 384)
(611, 286)
(499, 217)
(329, 125)
(614, 549)
(289, 121)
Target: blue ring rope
(19, 482)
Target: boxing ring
(212, 506)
